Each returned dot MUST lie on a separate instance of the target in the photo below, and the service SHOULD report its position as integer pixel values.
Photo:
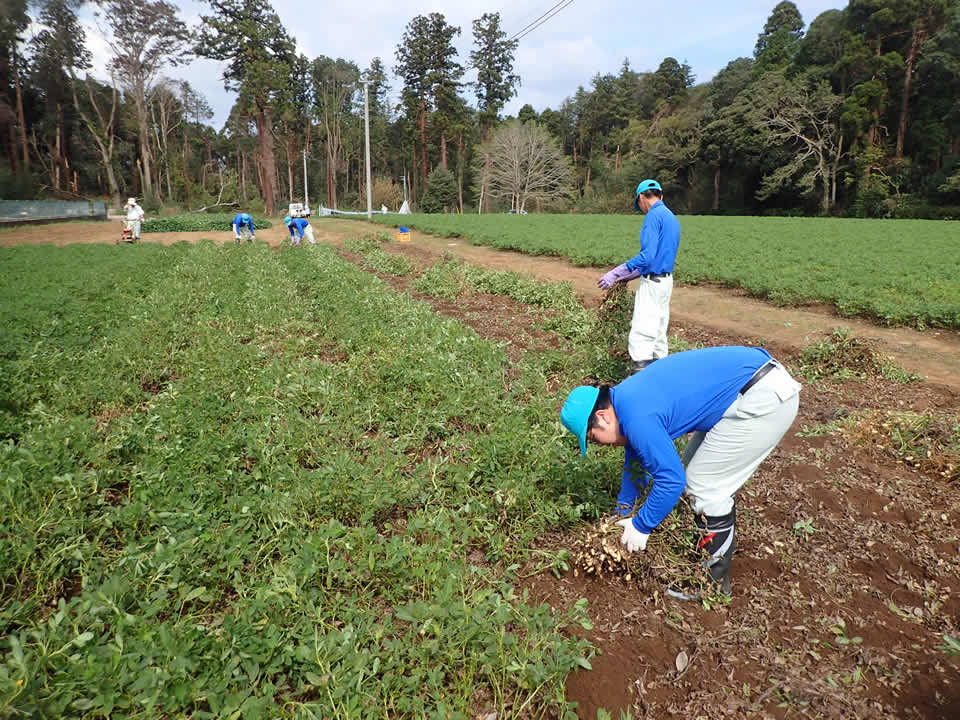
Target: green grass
(898, 272)
(235, 482)
(198, 222)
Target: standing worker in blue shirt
(243, 225)
(659, 240)
(737, 401)
(303, 229)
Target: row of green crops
(199, 222)
(235, 482)
(902, 272)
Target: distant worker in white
(243, 225)
(135, 217)
(302, 228)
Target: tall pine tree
(259, 53)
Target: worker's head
(131, 201)
(244, 218)
(588, 414)
(288, 221)
(648, 192)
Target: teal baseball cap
(642, 188)
(288, 220)
(575, 413)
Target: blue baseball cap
(288, 220)
(642, 188)
(575, 413)
(244, 217)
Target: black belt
(655, 276)
(758, 376)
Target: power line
(536, 19)
(534, 24)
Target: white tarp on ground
(325, 211)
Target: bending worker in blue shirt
(302, 228)
(659, 240)
(243, 224)
(737, 401)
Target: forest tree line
(856, 114)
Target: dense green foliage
(211, 222)
(240, 481)
(852, 113)
(900, 272)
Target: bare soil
(847, 573)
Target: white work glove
(632, 538)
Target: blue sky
(585, 38)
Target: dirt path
(934, 354)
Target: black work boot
(718, 540)
(639, 365)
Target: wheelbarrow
(126, 233)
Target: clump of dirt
(670, 559)
(842, 355)
(926, 441)
(616, 307)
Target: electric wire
(536, 20)
(566, 4)
(532, 25)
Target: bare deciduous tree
(334, 83)
(525, 163)
(167, 114)
(145, 36)
(102, 127)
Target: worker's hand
(613, 277)
(632, 538)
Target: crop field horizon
(897, 272)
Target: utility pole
(366, 131)
(306, 195)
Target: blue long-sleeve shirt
(238, 222)
(659, 240)
(677, 394)
(300, 224)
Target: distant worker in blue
(737, 401)
(659, 240)
(243, 226)
(302, 228)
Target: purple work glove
(613, 277)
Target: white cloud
(583, 39)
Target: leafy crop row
(900, 272)
(212, 222)
(240, 482)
